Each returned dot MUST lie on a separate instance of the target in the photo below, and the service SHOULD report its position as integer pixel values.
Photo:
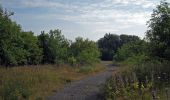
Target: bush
(139, 80)
(136, 60)
(135, 48)
(85, 52)
(72, 61)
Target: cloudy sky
(86, 18)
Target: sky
(83, 18)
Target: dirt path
(85, 89)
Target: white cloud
(99, 17)
(40, 3)
(142, 3)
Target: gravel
(86, 89)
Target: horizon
(83, 18)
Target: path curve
(85, 89)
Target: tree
(43, 39)
(84, 51)
(131, 49)
(54, 46)
(128, 38)
(10, 41)
(110, 43)
(159, 31)
(30, 45)
(16, 47)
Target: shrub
(84, 51)
(139, 80)
(131, 49)
(72, 61)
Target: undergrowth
(141, 81)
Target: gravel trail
(85, 89)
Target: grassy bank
(37, 82)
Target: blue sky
(86, 18)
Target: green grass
(37, 82)
(86, 69)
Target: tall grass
(144, 81)
(36, 82)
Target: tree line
(18, 47)
(155, 44)
(110, 43)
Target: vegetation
(17, 47)
(130, 50)
(24, 48)
(84, 52)
(49, 60)
(145, 76)
(54, 46)
(110, 44)
(37, 82)
(42, 61)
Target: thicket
(147, 75)
(24, 48)
(110, 43)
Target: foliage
(54, 46)
(108, 46)
(72, 61)
(131, 49)
(137, 81)
(24, 48)
(159, 31)
(16, 47)
(30, 44)
(110, 43)
(84, 51)
(147, 76)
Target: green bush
(131, 49)
(135, 60)
(84, 51)
(72, 61)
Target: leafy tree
(131, 49)
(30, 45)
(16, 47)
(110, 43)
(128, 38)
(44, 44)
(84, 51)
(159, 31)
(10, 41)
(55, 47)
